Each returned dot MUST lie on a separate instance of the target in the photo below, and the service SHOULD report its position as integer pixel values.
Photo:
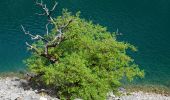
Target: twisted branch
(47, 12)
(33, 37)
(47, 43)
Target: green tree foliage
(90, 61)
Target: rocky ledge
(13, 89)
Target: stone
(19, 98)
(16, 79)
(78, 99)
(43, 98)
(28, 97)
(121, 89)
(24, 81)
(36, 91)
(13, 96)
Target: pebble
(42, 98)
(11, 89)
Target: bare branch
(40, 14)
(64, 26)
(48, 43)
(46, 55)
(26, 32)
(117, 32)
(47, 27)
(47, 12)
(32, 47)
(33, 37)
(54, 7)
(37, 3)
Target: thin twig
(33, 37)
(47, 28)
(47, 43)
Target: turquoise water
(144, 23)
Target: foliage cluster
(91, 62)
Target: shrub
(89, 63)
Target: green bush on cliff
(89, 61)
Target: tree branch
(60, 34)
(66, 25)
(54, 7)
(47, 28)
(47, 12)
(47, 42)
(33, 37)
(32, 47)
(45, 54)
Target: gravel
(12, 89)
(144, 96)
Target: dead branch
(54, 7)
(47, 12)
(117, 32)
(33, 37)
(47, 43)
(47, 28)
(64, 26)
(46, 55)
(40, 14)
(60, 34)
(32, 48)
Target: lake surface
(144, 23)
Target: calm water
(144, 23)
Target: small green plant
(80, 59)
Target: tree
(78, 58)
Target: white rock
(78, 99)
(43, 98)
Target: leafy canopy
(91, 62)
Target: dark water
(144, 23)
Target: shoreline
(148, 88)
(13, 81)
